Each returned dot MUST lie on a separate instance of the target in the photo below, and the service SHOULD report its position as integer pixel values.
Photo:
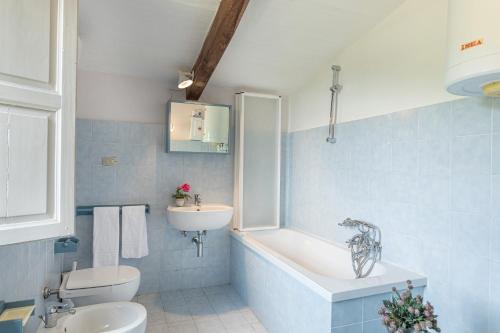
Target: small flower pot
(180, 202)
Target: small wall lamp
(185, 79)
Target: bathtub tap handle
(348, 222)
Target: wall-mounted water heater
(473, 48)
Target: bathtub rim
(331, 289)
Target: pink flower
(185, 187)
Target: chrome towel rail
(89, 210)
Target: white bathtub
(324, 266)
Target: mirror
(197, 127)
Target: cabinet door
(37, 118)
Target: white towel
(106, 236)
(134, 232)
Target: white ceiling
(278, 44)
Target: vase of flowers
(404, 313)
(181, 194)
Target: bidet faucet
(197, 199)
(54, 310)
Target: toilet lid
(101, 277)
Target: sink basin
(199, 218)
(115, 317)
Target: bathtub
(270, 266)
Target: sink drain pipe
(198, 240)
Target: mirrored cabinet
(198, 127)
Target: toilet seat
(111, 283)
(101, 277)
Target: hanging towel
(106, 236)
(134, 232)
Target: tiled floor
(204, 310)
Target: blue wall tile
(495, 145)
(26, 269)
(84, 129)
(282, 303)
(494, 237)
(494, 307)
(471, 154)
(374, 326)
(356, 328)
(471, 116)
(105, 131)
(372, 304)
(434, 122)
(467, 229)
(347, 312)
(433, 193)
(450, 206)
(146, 174)
(470, 193)
(434, 157)
(496, 116)
(404, 125)
(470, 293)
(404, 157)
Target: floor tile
(155, 317)
(177, 315)
(211, 326)
(244, 328)
(259, 328)
(157, 328)
(190, 293)
(201, 310)
(249, 316)
(186, 327)
(217, 289)
(233, 318)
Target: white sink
(199, 218)
(115, 317)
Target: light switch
(109, 161)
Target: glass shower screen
(258, 162)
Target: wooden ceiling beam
(221, 31)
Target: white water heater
(474, 48)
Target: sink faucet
(197, 199)
(54, 310)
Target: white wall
(398, 65)
(124, 98)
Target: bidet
(116, 317)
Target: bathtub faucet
(366, 248)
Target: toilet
(100, 285)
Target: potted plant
(404, 313)
(181, 194)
